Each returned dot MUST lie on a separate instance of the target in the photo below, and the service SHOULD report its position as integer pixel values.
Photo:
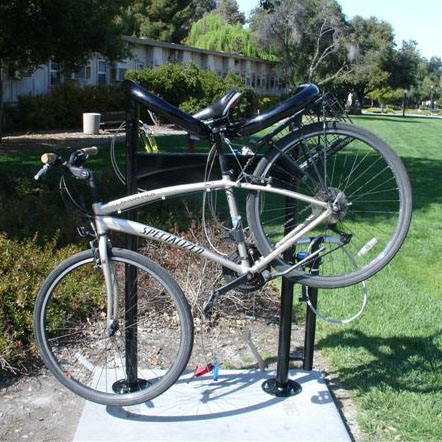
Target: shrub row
(23, 268)
(184, 85)
(62, 107)
(191, 88)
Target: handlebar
(74, 165)
(50, 159)
(93, 150)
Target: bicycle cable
(356, 315)
(113, 158)
(70, 201)
(207, 172)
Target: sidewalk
(235, 408)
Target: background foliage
(190, 88)
(62, 107)
(31, 32)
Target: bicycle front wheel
(136, 360)
(355, 171)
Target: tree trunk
(356, 105)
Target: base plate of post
(123, 387)
(273, 387)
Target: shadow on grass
(426, 180)
(401, 363)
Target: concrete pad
(233, 408)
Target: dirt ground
(73, 138)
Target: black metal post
(131, 244)
(281, 385)
(310, 316)
(285, 333)
(310, 329)
(131, 381)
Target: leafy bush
(378, 110)
(62, 107)
(266, 101)
(190, 88)
(23, 268)
(36, 207)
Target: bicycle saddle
(220, 108)
(302, 97)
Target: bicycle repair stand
(281, 385)
(131, 382)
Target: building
(263, 76)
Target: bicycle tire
(354, 162)
(70, 329)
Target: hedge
(184, 85)
(23, 268)
(192, 89)
(62, 107)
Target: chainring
(256, 282)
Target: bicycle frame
(104, 222)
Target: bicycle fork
(112, 288)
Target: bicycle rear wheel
(341, 163)
(71, 329)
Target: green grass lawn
(391, 358)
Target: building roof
(162, 44)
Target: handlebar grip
(93, 150)
(49, 158)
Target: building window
(102, 72)
(54, 73)
(253, 80)
(84, 73)
(175, 56)
(118, 73)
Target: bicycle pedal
(207, 309)
(210, 303)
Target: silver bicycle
(332, 182)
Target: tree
(428, 84)
(214, 33)
(164, 20)
(31, 32)
(307, 35)
(435, 66)
(229, 12)
(386, 95)
(406, 64)
(372, 46)
(202, 7)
